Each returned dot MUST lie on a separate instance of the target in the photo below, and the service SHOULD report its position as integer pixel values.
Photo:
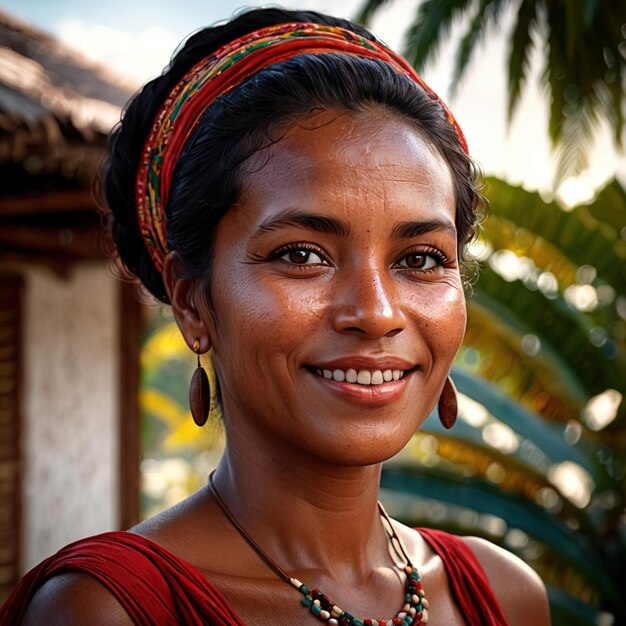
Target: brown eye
(416, 261)
(301, 256)
(419, 261)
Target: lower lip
(366, 395)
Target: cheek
(271, 314)
(441, 313)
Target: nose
(368, 304)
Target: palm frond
(543, 381)
(584, 70)
(532, 519)
(521, 50)
(566, 608)
(583, 65)
(367, 11)
(609, 208)
(523, 309)
(432, 23)
(546, 437)
(575, 133)
(571, 235)
(487, 13)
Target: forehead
(340, 161)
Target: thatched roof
(56, 110)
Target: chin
(363, 449)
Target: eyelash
(307, 247)
(439, 257)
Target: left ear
(182, 294)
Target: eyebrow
(407, 230)
(312, 221)
(338, 228)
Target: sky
(137, 38)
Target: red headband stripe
(215, 76)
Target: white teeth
(362, 377)
(377, 378)
(339, 376)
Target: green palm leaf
(609, 209)
(368, 9)
(568, 609)
(528, 312)
(432, 23)
(578, 239)
(521, 49)
(547, 438)
(486, 14)
(570, 547)
(584, 70)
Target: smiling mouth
(361, 377)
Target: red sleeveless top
(156, 587)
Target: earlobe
(185, 305)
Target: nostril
(355, 329)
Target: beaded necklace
(413, 613)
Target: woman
(303, 201)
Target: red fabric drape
(156, 587)
(469, 584)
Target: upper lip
(372, 364)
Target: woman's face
(337, 304)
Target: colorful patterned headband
(216, 75)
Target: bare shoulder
(520, 591)
(74, 599)
(187, 530)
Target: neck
(303, 513)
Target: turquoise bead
(303, 589)
(307, 601)
(316, 610)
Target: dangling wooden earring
(448, 405)
(199, 391)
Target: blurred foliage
(537, 460)
(177, 456)
(582, 45)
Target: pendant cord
(231, 518)
(414, 612)
(395, 541)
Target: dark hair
(245, 119)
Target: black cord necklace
(413, 613)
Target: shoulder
(72, 586)
(74, 598)
(520, 592)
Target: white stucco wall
(70, 406)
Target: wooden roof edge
(60, 48)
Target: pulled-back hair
(208, 175)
